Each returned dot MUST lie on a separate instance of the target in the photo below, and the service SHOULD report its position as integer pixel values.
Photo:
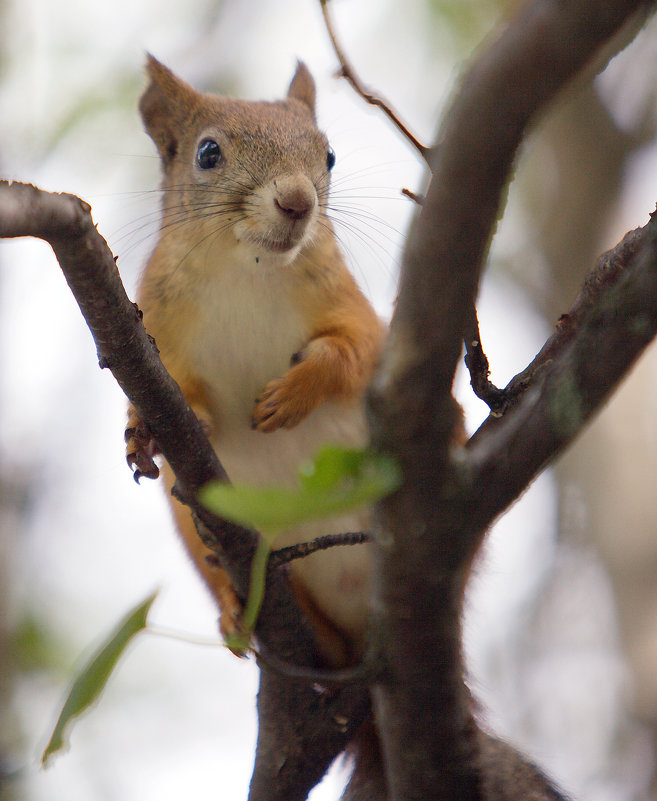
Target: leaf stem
(181, 636)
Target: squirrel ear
(164, 106)
(302, 87)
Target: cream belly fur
(247, 335)
(337, 578)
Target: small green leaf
(337, 481)
(93, 677)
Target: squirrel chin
(285, 244)
(264, 251)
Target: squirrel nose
(295, 196)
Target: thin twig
(363, 672)
(419, 199)
(347, 72)
(477, 363)
(283, 556)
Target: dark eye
(330, 159)
(208, 154)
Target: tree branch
(283, 556)
(613, 320)
(477, 363)
(423, 559)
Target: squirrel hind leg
(205, 560)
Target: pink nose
(295, 197)
(296, 208)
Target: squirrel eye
(208, 154)
(330, 159)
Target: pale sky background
(178, 720)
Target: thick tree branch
(301, 729)
(423, 559)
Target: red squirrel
(258, 319)
(263, 327)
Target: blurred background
(562, 614)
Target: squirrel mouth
(277, 241)
(280, 245)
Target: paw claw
(141, 449)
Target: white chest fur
(245, 336)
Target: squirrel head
(254, 171)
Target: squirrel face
(256, 173)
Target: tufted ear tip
(302, 87)
(165, 105)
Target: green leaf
(93, 677)
(337, 481)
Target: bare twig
(284, 556)
(478, 367)
(413, 196)
(347, 72)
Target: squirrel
(259, 321)
(265, 330)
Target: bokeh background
(562, 613)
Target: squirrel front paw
(140, 449)
(283, 403)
